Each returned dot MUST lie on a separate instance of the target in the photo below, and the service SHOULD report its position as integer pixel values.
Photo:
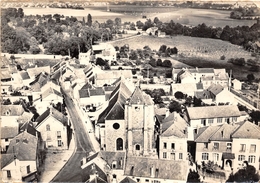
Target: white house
(53, 127)
(22, 159)
(237, 85)
(212, 115)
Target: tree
(167, 63)
(247, 174)
(178, 95)
(118, 22)
(250, 77)
(20, 13)
(89, 22)
(175, 106)
(193, 176)
(100, 62)
(152, 62)
(163, 48)
(255, 116)
(159, 62)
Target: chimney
(167, 113)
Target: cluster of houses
(139, 142)
(30, 123)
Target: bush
(222, 57)
(179, 95)
(167, 63)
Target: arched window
(119, 144)
(137, 147)
(48, 128)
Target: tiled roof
(28, 127)
(12, 110)
(161, 111)
(236, 81)
(127, 180)
(24, 146)
(171, 170)
(204, 133)
(97, 91)
(220, 74)
(54, 113)
(6, 159)
(13, 68)
(141, 98)
(24, 75)
(33, 72)
(199, 86)
(205, 94)
(115, 108)
(5, 61)
(109, 88)
(49, 91)
(93, 169)
(224, 132)
(41, 79)
(247, 130)
(174, 125)
(84, 93)
(215, 89)
(212, 111)
(8, 131)
(5, 74)
(186, 74)
(86, 86)
(109, 157)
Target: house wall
(188, 80)
(196, 123)
(224, 97)
(53, 98)
(14, 168)
(5, 143)
(50, 138)
(237, 150)
(200, 148)
(237, 85)
(180, 147)
(23, 167)
(111, 134)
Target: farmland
(196, 52)
(211, 49)
(216, 18)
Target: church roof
(116, 105)
(139, 97)
(127, 180)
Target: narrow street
(71, 172)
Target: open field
(191, 51)
(217, 18)
(211, 49)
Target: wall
(55, 126)
(14, 167)
(180, 147)
(248, 142)
(111, 134)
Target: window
(205, 156)
(234, 119)
(48, 128)
(215, 157)
(137, 147)
(203, 122)
(6, 140)
(146, 180)
(219, 120)
(58, 134)
(205, 145)
(242, 147)
(165, 145)
(156, 172)
(180, 156)
(164, 155)
(241, 158)
(119, 144)
(210, 120)
(173, 156)
(116, 126)
(137, 180)
(252, 148)
(173, 146)
(216, 145)
(8, 173)
(59, 143)
(226, 119)
(229, 146)
(251, 159)
(28, 169)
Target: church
(127, 124)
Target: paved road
(72, 171)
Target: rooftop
(163, 169)
(12, 110)
(213, 111)
(9, 131)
